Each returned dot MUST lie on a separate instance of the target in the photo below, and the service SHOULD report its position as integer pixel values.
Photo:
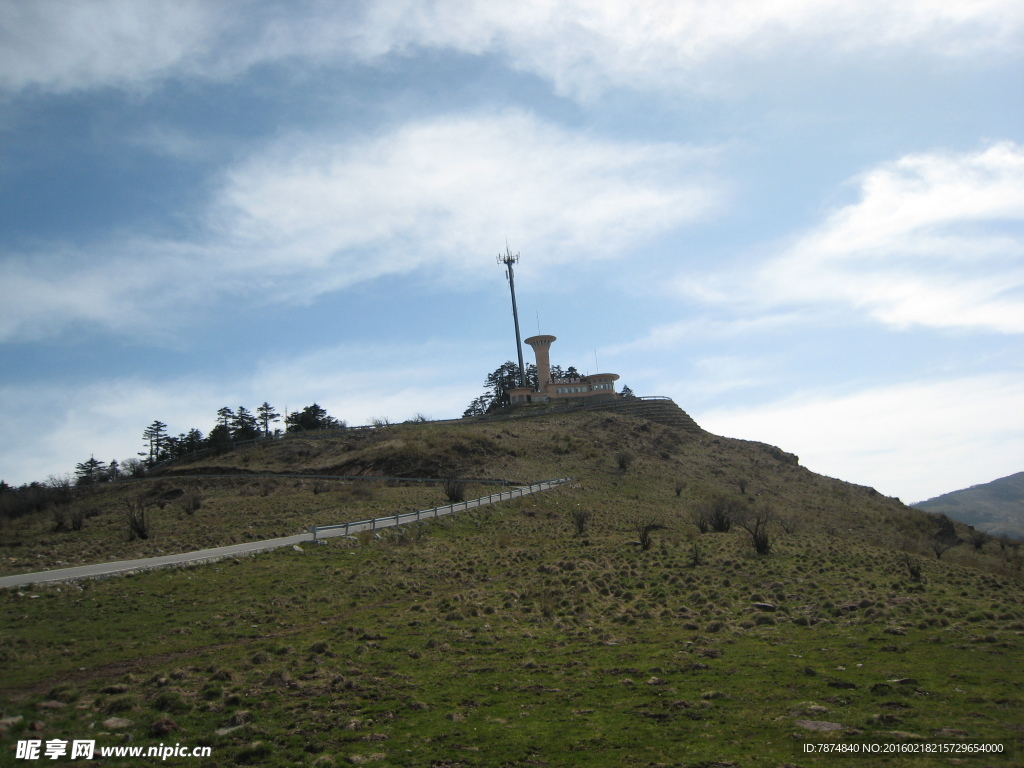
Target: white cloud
(579, 45)
(914, 440)
(583, 45)
(311, 214)
(934, 240)
(455, 186)
(60, 46)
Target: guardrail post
(312, 529)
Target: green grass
(503, 638)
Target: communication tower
(508, 260)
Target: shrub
(696, 558)
(580, 518)
(138, 526)
(717, 513)
(455, 489)
(644, 527)
(913, 567)
(759, 525)
(624, 459)
(78, 515)
(59, 512)
(191, 503)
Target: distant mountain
(996, 508)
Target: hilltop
(996, 508)
(529, 632)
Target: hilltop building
(595, 386)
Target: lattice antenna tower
(508, 260)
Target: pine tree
(224, 417)
(265, 415)
(312, 417)
(156, 437)
(244, 425)
(90, 472)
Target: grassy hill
(506, 636)
(995, 508)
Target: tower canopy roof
(539, 339)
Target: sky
(802, 220)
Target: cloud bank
(934, 240)
(310, 214)
(579, 46)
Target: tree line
(232, 426)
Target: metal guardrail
(346, 529)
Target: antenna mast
(508, 260)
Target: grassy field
(505, 636)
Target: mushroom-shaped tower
(541, 346)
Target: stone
(117, 723)
(764, 606)
(819, 725)
(51, 704)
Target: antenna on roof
(508, 260)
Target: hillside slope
(534, 632)
(996, 508)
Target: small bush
(454, 489)
(624, 459)
(913, 567)
(644, 527)
(717, 513)
(760, 524)
(138, 525)
(59, 513)
(191, 503)
(580, 518)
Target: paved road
(100, 570)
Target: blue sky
(800, 220)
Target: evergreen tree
(312, 417)
(478, 407)
(224, 417)
(504, 378)
(265, 415)
(156, 438)
(90, 472)
(244, 425)
(219, 440)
